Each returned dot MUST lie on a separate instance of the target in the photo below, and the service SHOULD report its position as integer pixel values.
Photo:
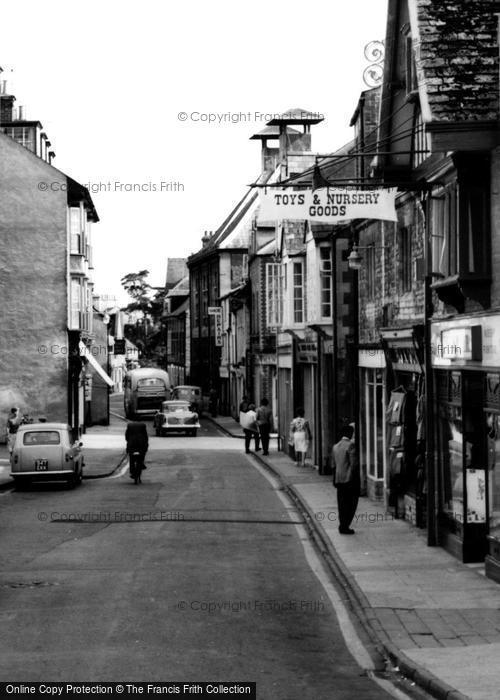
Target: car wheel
(20, 482)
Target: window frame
(326, 282)
(298, 289)
(370, 268)
(274, 294)
(405, 259)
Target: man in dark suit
(136, 436)
(346, 479)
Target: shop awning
(85, 352)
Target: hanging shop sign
(307, 352)
(328, 204)
(87, 387)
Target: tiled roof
(457, 57)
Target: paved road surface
(197, 574)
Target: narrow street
(199, 572)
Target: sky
(125, 92)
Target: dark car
(186, 392)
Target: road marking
(351, 638)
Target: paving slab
(437, 618)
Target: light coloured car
(46, 452)
(176, 417)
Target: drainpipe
(432, 538)
(335, 342)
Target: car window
(42, 437)
(172, 408)
(151, 381)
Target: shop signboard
(328, 204)
(476, 339)
(88, 387)
(307, 352)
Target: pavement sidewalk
(436, 619)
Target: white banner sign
(218, 329)
(328, 204)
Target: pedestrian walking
(265, 424)
(248, 422)
(346, 479)
(244, 404)
(212, 402)
(14, 420)
(300, 437)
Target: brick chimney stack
(294, 147)
(6, 103)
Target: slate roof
(340, 168)
(272, 132)
(180, 289)
(234, 232)
(457, 58)
(296, 115)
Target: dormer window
(411, 81)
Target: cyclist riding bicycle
(136, 436)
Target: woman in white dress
(300, 437)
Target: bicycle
(136, 467)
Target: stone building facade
(45, 286)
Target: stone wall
(391, 306)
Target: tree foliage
(147, 331)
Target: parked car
(176, 417)
(46, 452)
(189, 393)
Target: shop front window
(373, 406)
(493, 446)
(462, 448)
(451, 449)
